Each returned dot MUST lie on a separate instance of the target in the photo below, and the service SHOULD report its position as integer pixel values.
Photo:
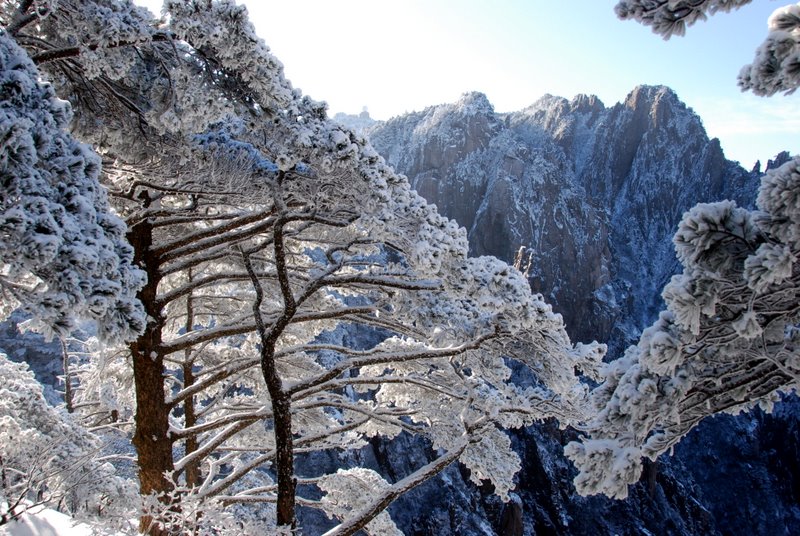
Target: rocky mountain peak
(586, 104)
(594, 195)
(547, 101)
(594, 192)
(473, 103)
(646, 96)
(656, 107)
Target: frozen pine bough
(727, 342)
(668, 18)
(47, 459)
(63, 253)
(776, 65)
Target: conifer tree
(272, 239)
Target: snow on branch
(776, 66)
(671, 17)
(368, 508)
(727, 342)
(45, 455)
(63, 253)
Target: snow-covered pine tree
(267, 234)
(728, 340)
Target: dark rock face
(595, 193)
(749, 469)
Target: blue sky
(398, 56)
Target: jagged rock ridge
(594, 193)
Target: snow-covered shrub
(48, 458)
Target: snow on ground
(45, 522)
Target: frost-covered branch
(22, 17)
(776, 66)
(243, 417)
(384, 498)
(727, 342)
(670, 17)
(298, 388)
(211, 444)
(375, 381)
(207, 281)
(241, 326)
(46, 454)
(175, 247)
(207, 241)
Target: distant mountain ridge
(594, 195)
(593, 192)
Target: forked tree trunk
(281, 401)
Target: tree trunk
(281, 401)
(68, 395)
(284, 462)
(651, 470)
(191, 444)
(151, 438)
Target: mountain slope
(594, 193)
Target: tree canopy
(63, 253)
(299, 295)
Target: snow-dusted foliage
(47, 458)
(776, 66)
(63, 254)
(273, 240)
(350, 489)
(671, 17)
(727, 341)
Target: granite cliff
(594, 193)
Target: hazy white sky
(395, 56)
